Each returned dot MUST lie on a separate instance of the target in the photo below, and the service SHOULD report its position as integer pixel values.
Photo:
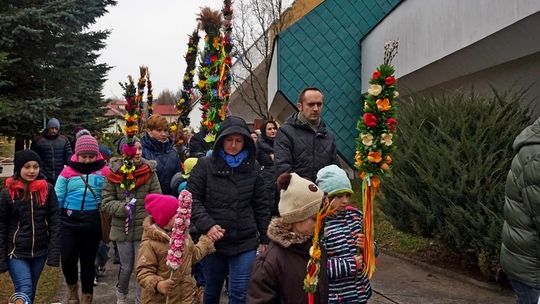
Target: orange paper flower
(383, 104)
(374, 157)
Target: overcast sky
(152, 33)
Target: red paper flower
(370, 120)
(376, 75)
(390, 80)
(213, 58)
(391, 123)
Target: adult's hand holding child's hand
(216, 233)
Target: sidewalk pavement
(395, 281)
(399, 281)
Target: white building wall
(429, 30)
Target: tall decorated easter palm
(375, 143)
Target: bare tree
(256, 24)
(168, 97)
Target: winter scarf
(142, 174)
(37, 188)
(234, 160)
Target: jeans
(79, 246)
(128, 252)
(25, 274)
(526, 294)
(215, 269)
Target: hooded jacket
(114, 202)
(233, 198)
(278, 274)
(298, 148)
(168, 161)
(520, 249)
(151, 266)
(54, 151)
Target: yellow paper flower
(357, 159)
(210, 138)
(173, 128)
(315, 253)
(216, 43)
(383, 105)
(202, 84)
(374, 89)
(367, 139)
(386, 139)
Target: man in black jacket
(53, 149)
(303, 144)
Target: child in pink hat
(153, 274)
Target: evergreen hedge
(450, 168)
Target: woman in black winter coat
(29, 225)
(229, 200)
(265, 157)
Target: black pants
(80, 245)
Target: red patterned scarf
(38, 189)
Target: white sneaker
(120, 297)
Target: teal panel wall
(323, 50)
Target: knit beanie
(86, 144)
(189, 163)
(82, 132)
(300, 198)
(161, 207)
(21, 158)
(53, 123)
(333, 180)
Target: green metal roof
(323, 50)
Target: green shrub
(450, 168)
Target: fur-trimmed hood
(153, 232)
(279, 232)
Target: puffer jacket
(265, 148)
(233, 198)
(166, 156)
(29, 229)
(520, 249)
(151, 266)
(278, 274)
(114, 202)
(80, 199)
(54, 151)
(298, 148)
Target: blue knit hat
(333, 180)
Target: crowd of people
(254, 197)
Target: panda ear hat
(300, 198)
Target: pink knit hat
(86, 144)
(161, 207)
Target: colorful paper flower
(375, 89)
(374, 157)
(386, 139)
(370, 120)
(383, 105)
(367, 139)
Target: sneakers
(120, 297)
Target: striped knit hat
(86, 144)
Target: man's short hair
(157, 121)
(303, 93)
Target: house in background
(443, 46)
(168, 111)
(115, 111)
